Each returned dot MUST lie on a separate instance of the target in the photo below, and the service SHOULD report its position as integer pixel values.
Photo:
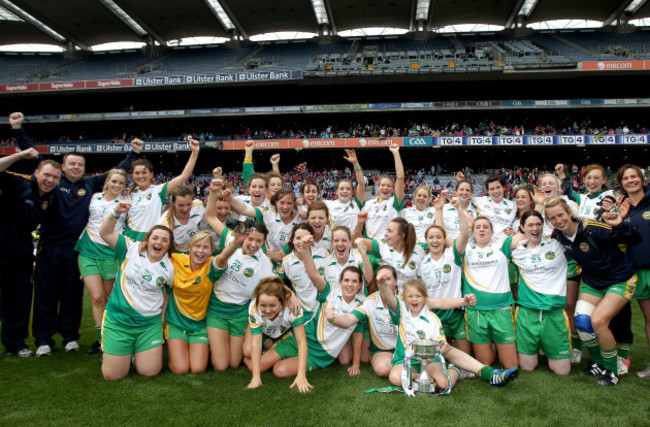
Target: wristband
(112, 217)
(231, 248)
(357, 169)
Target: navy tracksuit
(21, 211)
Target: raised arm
(216, 185)
(248, 169)
(107, 229)
(7, 161)
(189, 167)
(463, 223)
(351, 156)
(386, 292)
(358, 228)
(439, 204)
(451, 303)
(368, 273)
(222, 259)
(302, 249)
(275, 163)
(399, 174)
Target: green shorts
(547, 330)
(642, 290)
(624, 289)
(484, 326)
(236, 326)
(119, 340)
(288, 347)
(455, 326)
(173, 332)
(573, 271)
(107, 268)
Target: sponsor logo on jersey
(81, 192)
(584, 247)
(550, 255)
(248, 272)
(421, 334)
(446, 268)
(646, 215)
(160, 281)
(489, 254)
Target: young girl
(348, 203)
(132, 325)
(540, 320)
(184, 216)
(422, 215)
(270, 319)
(400, 251)
(186, 334)
(147, 200)
(96, 258)
(390, 200)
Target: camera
(234, 224)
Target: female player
(293, 268)
(184, 216)
(185, 331)
(441, 271)
(147, 200)
(463, 196)
(495, 207)
(256, 183)
(348, 203)
(540, 320)
(524, 202)
(608, 279)
(400, 251)
(318, 217)
(631, 179)
(343, 255)
(218, 210)
(390, 200)
(271, 320)
(132, 325)
(595, 180)
(96, 258)
(422, 215)
(485, 273)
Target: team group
(292, 284)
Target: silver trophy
(427, 351)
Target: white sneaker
(576, 355)
(71, 346)
(645, 373)
(43, 350)
(25, 352)
(466, 374)
(623, 367)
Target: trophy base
(424, 387)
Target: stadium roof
(86, 23)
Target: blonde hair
(417, 284)
(114, 172)
(557, 201)
(182, 191)
(201, 236)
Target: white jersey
(138, 297)
(279, 232)
(548, 227)
(425, 326)
(333, 269)
(90, 243)
(241, 276)
(421, 220)
(383, 331)
(543, 272)
(450, 218)
(266, 204)
(146, 208)
(294, 270)
(183, 232)
(274, 329)
(442, 276)
(485, 273)
(344, 214)
(501, 214)
(589, 203)
(395, 259)
(379, 215)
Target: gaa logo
(44, 205)
(646, 215)
(446, 269)
(550, 255)
(248, 272)
(584, 247)
(421, 334)
(160, 281)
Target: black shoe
(592, 370)
(95, 348)
(608, 378)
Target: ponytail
(410, 237)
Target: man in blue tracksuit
(58, 290)
(25, 201)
